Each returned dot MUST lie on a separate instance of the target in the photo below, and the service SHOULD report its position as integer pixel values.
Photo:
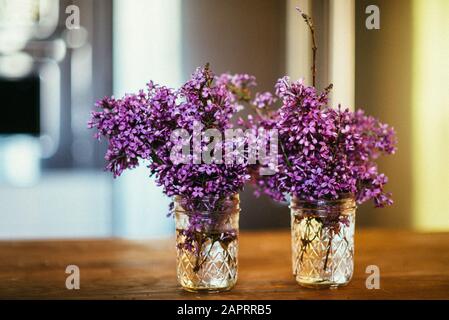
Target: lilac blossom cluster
(263, 100)
(324, 152)
(138, 128)
(239, 86)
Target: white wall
(61, 205)
(146, 47)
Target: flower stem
(328, 252)
(309, 22)
(199, 265)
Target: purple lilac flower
(239, 86)
(263, 100)
(134, 126)
(325, 152)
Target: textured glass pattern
(207, 245)
(323, 242)
(214, 269)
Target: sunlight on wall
(298, 53)
(337, 46)
(431, 115)
(342, 52)
(146, 46)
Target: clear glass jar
(323, 241)
(207, 242)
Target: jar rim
(206, 206)
(344, 201)
(209, 197)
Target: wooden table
(412, 266)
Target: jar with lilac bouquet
(326, 167)
(167, 129)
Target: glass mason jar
(323, 241)
(207, 242)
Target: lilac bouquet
(139, 129)
(325, 152)
(139, 126)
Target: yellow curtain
(431, 114)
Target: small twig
(306, 242)
(285, 155)
(309, 23)
(198, 266)
(328, 88)
(328, 252)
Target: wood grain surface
(412, 266)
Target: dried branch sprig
(309, 21)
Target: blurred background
(58, 57)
